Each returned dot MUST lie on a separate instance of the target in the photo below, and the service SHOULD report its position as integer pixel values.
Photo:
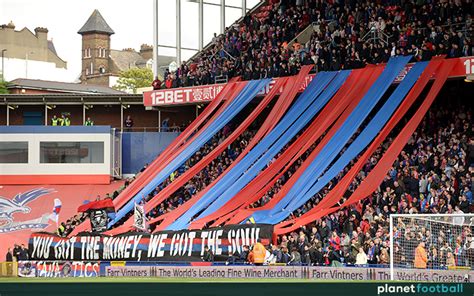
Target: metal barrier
(8, 269)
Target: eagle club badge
(10, 208)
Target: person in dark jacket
(9, 260)
(295, 257)
(276, 253)
(306, 257)
(233, 258)
(291, 243)
(334, 257)
(9, 256)
(324, 232)
(16, 252)
(245, 254)
(208, 255)
(23, 253)
(316, 255)
(285, 256)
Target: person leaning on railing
(9, 262)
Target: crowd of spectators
(433, 174)
(196, 184)
(440, 243)
(65, 228)
(347, 238)
(347, 35)
(202, 179)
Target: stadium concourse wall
(55, 155)
(28, 208)
(208, 270)
(140, 148)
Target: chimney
(9, 26)
(41, 33)
(146, 51)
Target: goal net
(431, 241)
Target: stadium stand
(345, 35)
(329, 166)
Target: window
(87, 71)
(71, 152)
(102, 70)
(102, 52)
(13, 152)
(87, 53)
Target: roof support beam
(201, 24)
(45, 114)
(222, 16)
(178, 32)
(155, 38)
(8, 115)
(83, 114)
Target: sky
(132, 22)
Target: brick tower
(96, 50)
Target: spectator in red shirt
(335, 241)
(156, 84)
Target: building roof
(51, 47)
(56, 86)
(126, 59)
(23, 42)
(96, 24)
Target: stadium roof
(96, 24)
(63, 87)
(71, 99)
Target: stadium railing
(8, 269)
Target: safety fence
(8, 269)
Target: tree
(134, 78)
(3, 87)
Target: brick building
(101, 64)
(27, 54)
(36, 101)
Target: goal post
(431, 241)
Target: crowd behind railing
(257, 47)
(433, 174)
(166, 125)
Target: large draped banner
(185, 245)
(198, 94)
